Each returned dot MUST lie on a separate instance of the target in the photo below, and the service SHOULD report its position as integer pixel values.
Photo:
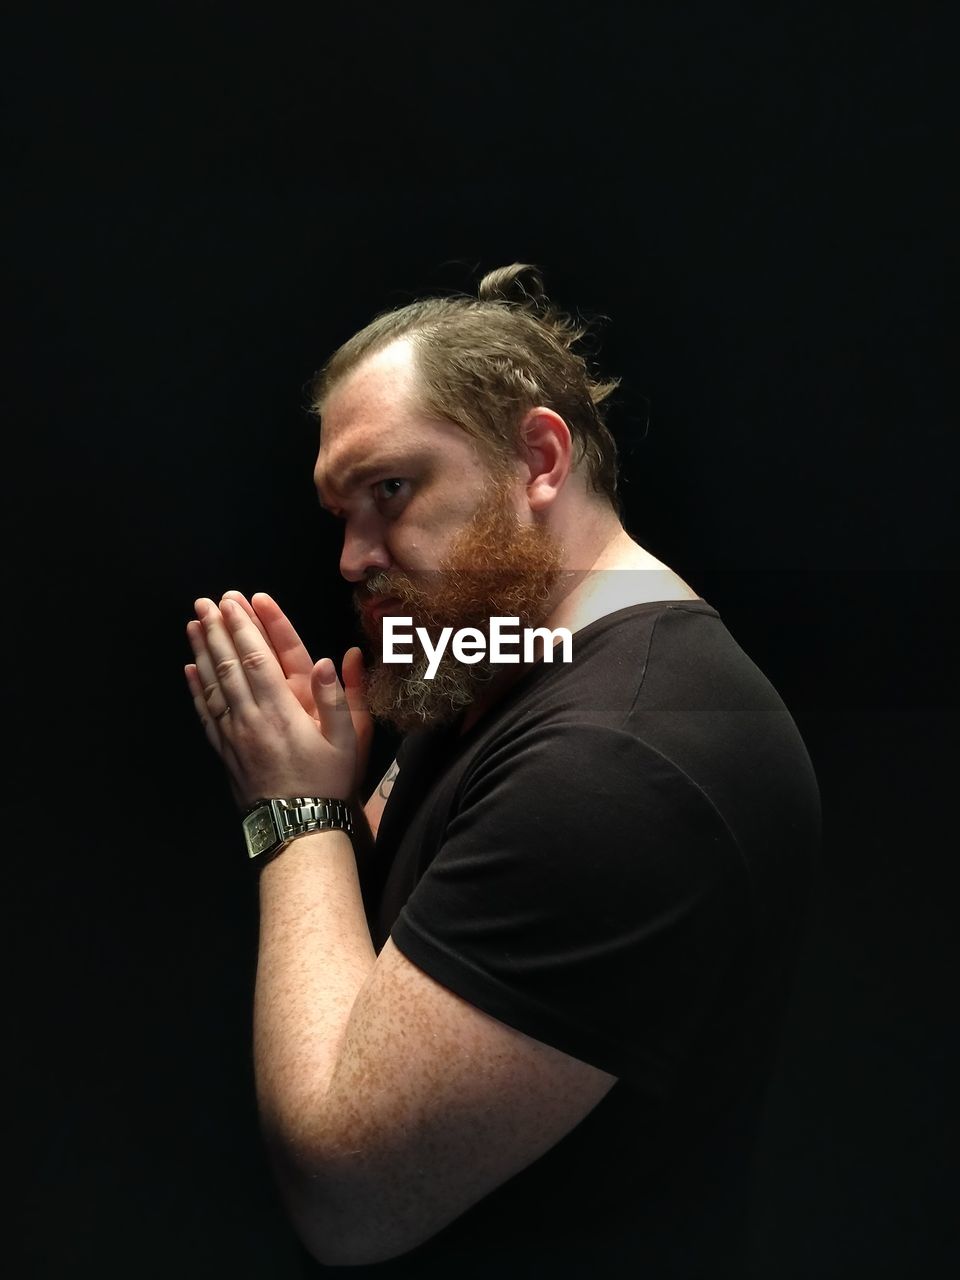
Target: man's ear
(546, 450)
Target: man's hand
(257, 723)
(297, 666)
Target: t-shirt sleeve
(587, 893)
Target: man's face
(432, 532)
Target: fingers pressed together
(251, 681)
(236, 669)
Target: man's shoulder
(663, 726)
(619, 660)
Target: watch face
(260, 831)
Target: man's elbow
(339, 1248)
(342, 1221)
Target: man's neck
(622, 574)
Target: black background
(205, 202)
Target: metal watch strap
(301, 814)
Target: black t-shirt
(615, 861)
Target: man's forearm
(315, 954)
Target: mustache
(386, 582)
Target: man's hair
(484, 361)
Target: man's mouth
(377, 606)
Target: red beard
(496, 567)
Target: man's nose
(363, 553)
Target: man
(519, 1018)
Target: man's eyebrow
(383, 465)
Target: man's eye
(384, 490)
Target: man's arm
(389, 1104)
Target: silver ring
(225, 711)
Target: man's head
(484, 362)
(454, 479)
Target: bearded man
(516, 1014)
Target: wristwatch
(271, 824)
